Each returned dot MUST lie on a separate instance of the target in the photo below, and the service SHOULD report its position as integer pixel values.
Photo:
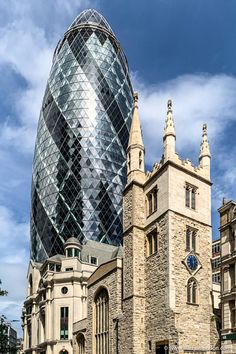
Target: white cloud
(14, 245)
(29, 31)
(29, 57)
(14, 237)
(26, 47)
(197, 99)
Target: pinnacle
(169, 126)
(135, 137)
(204, 148)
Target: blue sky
(184, 50)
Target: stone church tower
(167, 250)
(154, 296)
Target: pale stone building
(228, 274)
(152, 296)
(216, 279)
(57, 296)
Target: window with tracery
(191, 239)
(81, 343)
(102, 322)
(192, 291)
(152, 243)
(190, 196)
(152, 197)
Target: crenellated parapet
(183, 164)
(169, 154)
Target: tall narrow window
(232, 313)
(187, 197)
(150, 244)
(190, 196)
(64, 323)
(192, 291)
(152, 200)
(191, 239)
(81, 343)
(155, 199)
(193, 199)
(155, 242)
(150, 203)
(194, 233)
(152, 239)
(188, 293)
(188, 239)
(102, 322)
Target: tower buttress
(133, 325)
(135, 150)
(205, 155)
(169, 134)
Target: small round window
(64, 290)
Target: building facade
(159, 301)
(79, 168)
(57, 296)
(228, 275)
(154, 294)
(86, 295)
(216, 277)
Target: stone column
(48, 319)
(25, 334)
(34, 332)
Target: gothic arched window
(192, 289)
(102, 322)
(81, 343)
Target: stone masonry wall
(113, 283)
(160, 325)
(133, 320)
(193, 322)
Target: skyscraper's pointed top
(135, 137)
(205, 148)
(169, 126)
(91, 16)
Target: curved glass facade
(79, 168)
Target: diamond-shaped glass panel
(79, 169)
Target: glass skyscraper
(79, 168)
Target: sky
(184, 50)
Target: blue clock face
(192, 262)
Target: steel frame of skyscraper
(79, 168)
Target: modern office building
(228, 275)
(79, 168)
(8, 337)
(12, 339)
